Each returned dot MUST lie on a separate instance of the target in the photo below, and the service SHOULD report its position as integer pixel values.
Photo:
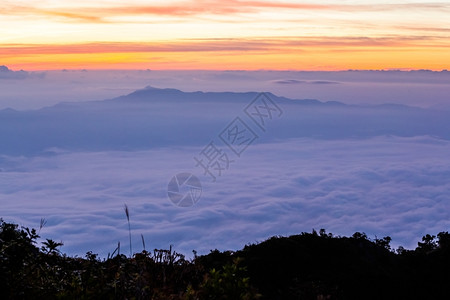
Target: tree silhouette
(51, 247)
(384, 242)
(428, 243)
(315, 265)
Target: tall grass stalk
(143, 241)
(42, 224)
(127, 212)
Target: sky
(224, 35)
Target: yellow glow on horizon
(313, 59)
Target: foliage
(305, 266)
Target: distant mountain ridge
(152, 93)
(149, 94)
(153, 117)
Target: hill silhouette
(313, 265)
(150, 118)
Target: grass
(127, 213)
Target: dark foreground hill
(306, 266)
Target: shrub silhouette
(229, 283)
(305, 266)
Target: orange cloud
(182, 8)
(421, 52)
(69, 15)
(212, 7)
(63, 13)
(204, 7)
(271, 44)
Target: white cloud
(384, 185)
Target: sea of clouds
(392, 186)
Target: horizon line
(86, 69)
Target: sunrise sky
(219, 35)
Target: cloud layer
(383, 186)
(6, 73)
